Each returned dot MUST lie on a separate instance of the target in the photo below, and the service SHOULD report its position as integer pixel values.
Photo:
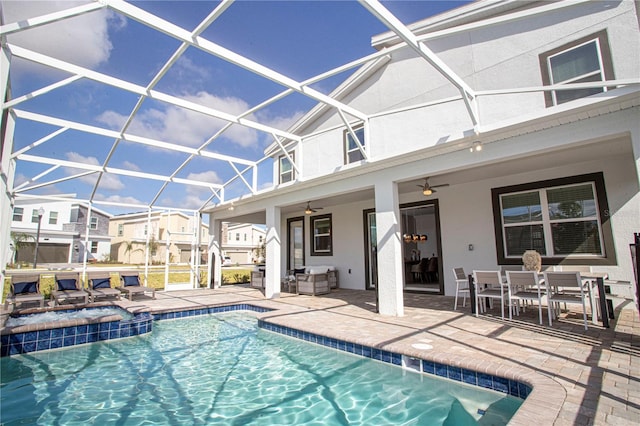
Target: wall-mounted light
(475, 146)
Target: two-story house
(242, 243)
(68, 231)
(170, 234)
(470, 137)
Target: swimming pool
(222, 369)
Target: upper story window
(237, 236)
(286, 171)
(73, 218)
(17, 214)
(120, 230)
(561, 219)
(321, 244)
(146, 230)
(582, 61)
(34, 216)
(94, 247)
(93, 223)
(53, 218)
(352, 152)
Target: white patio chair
(488, 285)
(565, 287)
(525, 285)
(462, 287)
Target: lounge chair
(130, 283)
(25, 288)
(68, 286)
(99, 285)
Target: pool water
(222, 369)
(55, 316)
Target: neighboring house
(460, 101)
(242, 242)
(175, 230)
(63, 230)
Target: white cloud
(118, 199)
(108, 181)
(185, 127)
(209, 177)
(131, 166)
(82, 40)
(281, 122)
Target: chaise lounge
(130, 283)
(99, 285)
(68, 286)
(24, 289)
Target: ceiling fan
(309, 210)
(429, 189)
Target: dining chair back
(462, 287)
(525, 285)
(488, 285)
(565, 287)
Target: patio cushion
(67, 284)
(131, 280)
(101, 283)
(26, 287)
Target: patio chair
(488, 285)
(99, 285)
(565, 287)
(315, 281)
(24, 289)
(257, 279)
(462, 287)
(525, 285)
(68, 286)
(130, 283)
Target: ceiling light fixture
(476, 146)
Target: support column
(390, 262)
(214, 269)
(274, 253)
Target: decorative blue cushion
(26, 287)
(131, 280)
(101, 283)
(67, 284)
(299, 271)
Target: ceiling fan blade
(439, 186)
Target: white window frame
(53, 218)
(347, 150)
(18, 214)
(93, 223)
(289, 175)
(94, 247)
(120, 229)
(601, 217)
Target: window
(245, 237)
(237, 236)
(562, 219)
(34, 216)
(17, 214)
(53, 218)
(94, 247)
(120, 230)
(584, 60)
(146, 230)
(352, 152)
(73, 218)
(321, 243)
(286, 172)
(93, 223)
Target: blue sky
(299, 39)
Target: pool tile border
(71, 335)
(142, 323)
(497, 383)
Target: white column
(215, 262)
(390, 262)
(274, 253)
(7, 171)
